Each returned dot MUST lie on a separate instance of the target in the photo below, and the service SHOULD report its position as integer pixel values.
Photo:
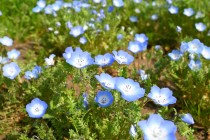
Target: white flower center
(11, 71)
(103, 100)
(160, 99)
(76, 32)
(37, 109)
(122, 59)
(156, 132)
(141, 39)
(81, 62)
(195, 66)
(107, 84)
(104, 61)
(135, 48)
(194, 47)
(127, 88)
(176, 55)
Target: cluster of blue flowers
(34, 73)
(129, 89)
(153, 128)
(195, 49)
(6, 41)
(80, 59)
(200, 26)
(139, 44)
(10, 68)
(57, 5)
(158, 129)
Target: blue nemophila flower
(4, 60)
(133, 18)
(178, 29)
(132, 131)
(154, 3)
(30, 75)
(137, 1)
(83, 40)
(68, 52)
(6, 41)
(50, 61)
(104, 60)
(104, 3)
(94, 12)
(123, 57)
(143, 74)
(195, 65)
(76, 31)
(101, 15)
(130, 90)
(157, 47)
(199, 14)
(169, 1)
(156, 128)
(69, 24)
(48, 9)
(58, 24)
(183, 47)
(13, 54)
(57, 5)
(142, 38)
(195, 46)
(206, 52)
(76, 5)
(162, 96)
(11, 70)
(188, 12)
(37, 69)
(200, 26)
(173, 9)
(107, 27)
(119, 36)
(0, 13)
(80, 59)
(106, 80)
(37, 108)
(41, 3)
(154, 17)
(175, 55)
(85, 100)
(118, 3)
(187, 118)
(34, 73)
(110, 9)
(37, 9)
(97, 1)
(104, 98)
(67, 5)
(136, 46)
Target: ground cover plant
(104, 69)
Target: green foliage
(185, 131)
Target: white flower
(49, 61)
(6, 41)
